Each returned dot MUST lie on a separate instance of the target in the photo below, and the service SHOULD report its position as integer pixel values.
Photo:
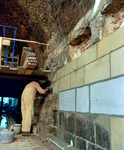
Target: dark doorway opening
(9, 110)
(10, 101)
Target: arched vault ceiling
(38, 19)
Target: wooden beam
(26, 41)
(37, 72)
(30, 66)
(21, 70)
(22, 77)
(28, 71)
(13, 70)
(5, 69)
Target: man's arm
(40, 90)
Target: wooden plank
(6, 42)
(36, 72)
(0, 50)
(23, 57)
(21, 70)
(21, 77)
(28, 72)
(13, 70)
(25, 61)
(5, 69)
(30, 66)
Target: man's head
(45, 84)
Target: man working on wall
(27, 105)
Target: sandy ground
(24, 143)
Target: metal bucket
(6, 136)
(17, 128)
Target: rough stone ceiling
(38, 19)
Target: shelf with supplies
(9, 60)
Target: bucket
(17, 128)
(6, 136)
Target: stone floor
(35, 143)
(24, 143)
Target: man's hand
(45, 91)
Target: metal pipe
(13, 48)
(8, 27)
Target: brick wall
(76, 51)
(119, 19)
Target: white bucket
(17, 128)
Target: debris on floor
(51, 146)
(43, 140)
(24, 143)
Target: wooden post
(0, 50)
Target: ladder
(13, 42)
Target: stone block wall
(91, 89)
(82, 131)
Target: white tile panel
(82, 100)
(108, 97)
(67, 100)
